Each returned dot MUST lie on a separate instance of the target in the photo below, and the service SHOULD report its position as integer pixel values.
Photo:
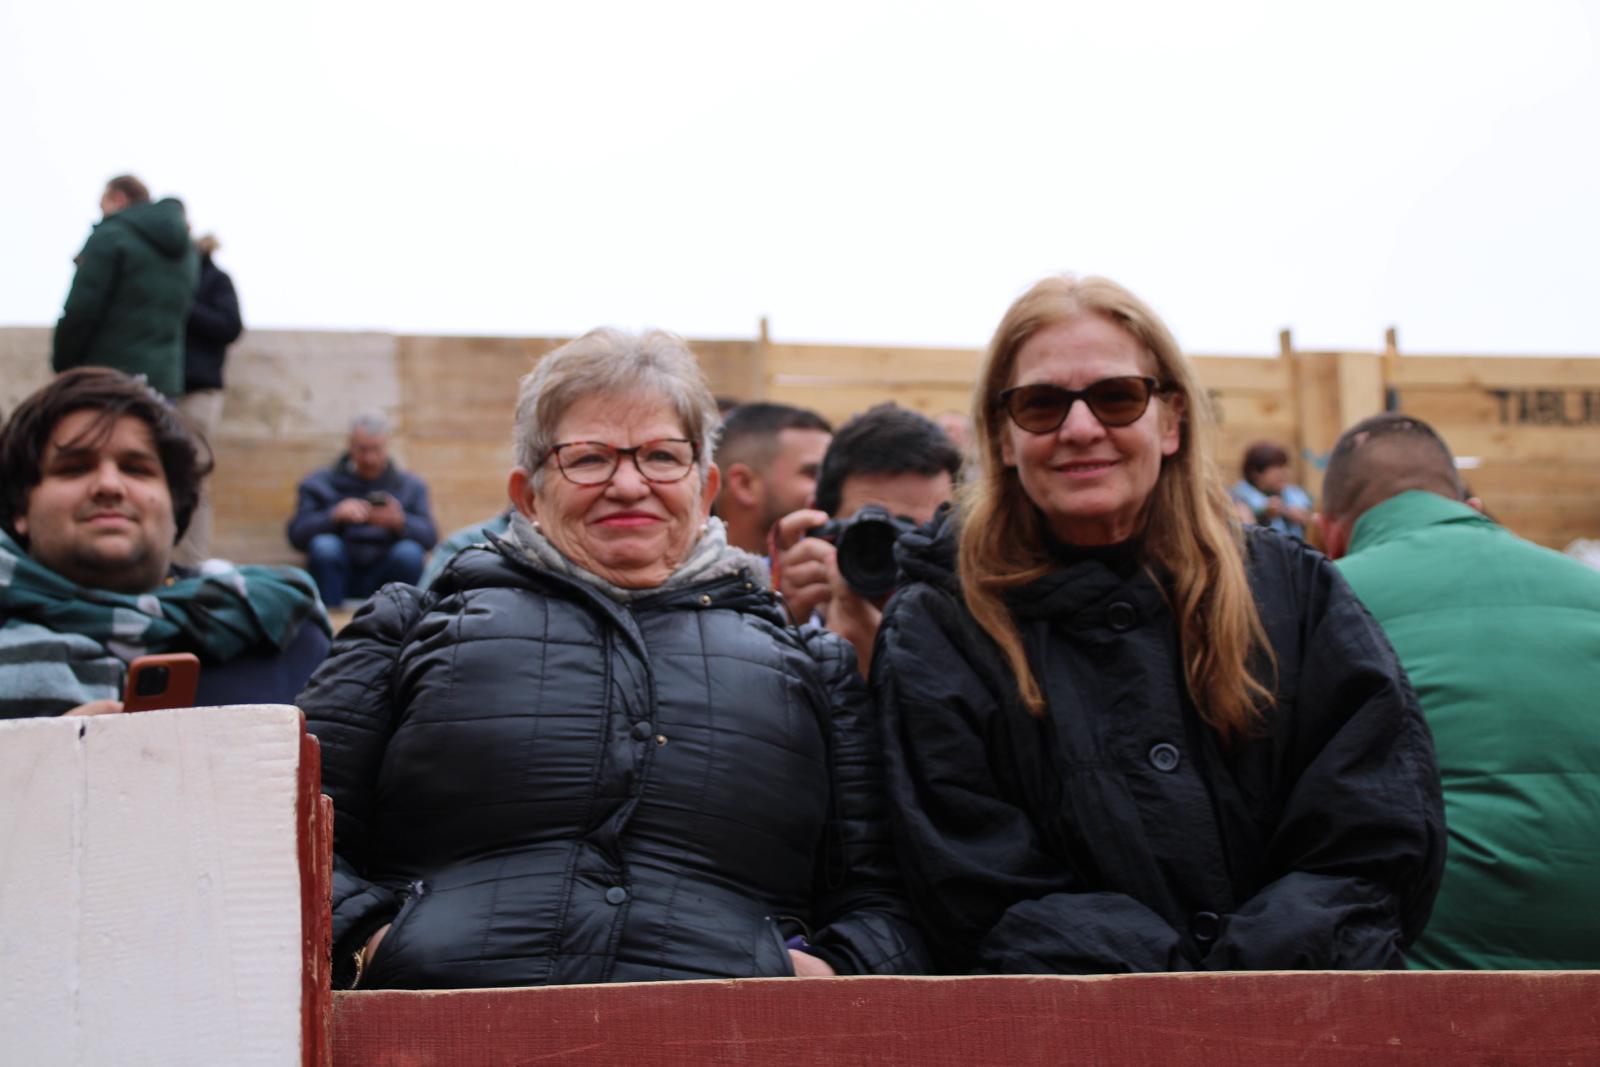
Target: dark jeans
(329, 563)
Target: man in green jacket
(130, 299)
(1501, 639)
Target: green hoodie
(130, 299)
(1501, 639)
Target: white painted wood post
(150, 896)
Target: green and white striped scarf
(62, 645)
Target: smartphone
(165, 681)
(377, 499)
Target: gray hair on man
(608, 362)
(370, 422)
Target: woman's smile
(628, 519)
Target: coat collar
(1407, 511)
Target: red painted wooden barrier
(1547, 1019)
(314, 832)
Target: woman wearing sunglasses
(594, 750)
(1123, 734)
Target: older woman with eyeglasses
(1124, 735)
(593, 750)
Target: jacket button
(1205, 926)
(1164, 757)
(705, 600)
(1122, 616)
(616, 895)
(641, 731)
(661, 739)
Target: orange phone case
(165, 681)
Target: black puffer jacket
(1117, 833)
(538, 785)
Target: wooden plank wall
(1532, 424)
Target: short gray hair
(610, 362)
(370, 422)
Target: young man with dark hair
(769, 455)
(98, 480)
(889, 458)
(1501, 639)
(129, 301)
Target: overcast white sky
(858, 171)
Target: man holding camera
(887, 470)
(98, 480)
(362, 522)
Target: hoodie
(130, 298)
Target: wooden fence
(1528, 427)
(164, 896)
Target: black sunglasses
(1043, 407)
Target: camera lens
(151, 680)
(866, 554)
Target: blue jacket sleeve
(313, 513)
(419, 513)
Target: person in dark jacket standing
(363, 521)
(130, 298)
(1153, 742)
(594, 750)
(214, 324)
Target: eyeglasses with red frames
(663, 461)
(1044, 406)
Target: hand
(370, 949)
(852, 616)
(808, 966)
(96, 707)
(1299, 516)
(802, 563)
(351, 512)
(390, 515)
(1274, 507)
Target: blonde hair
(1190, 533)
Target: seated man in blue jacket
(362, 522)
(98, 480)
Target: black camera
(866, 548)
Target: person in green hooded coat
(1501, 639)
(130, 298)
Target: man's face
(791, 477)
(1273, 481)
(369, 453)
(915, 496)
(112, 201)
(101, 515)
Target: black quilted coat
(537, 785)
(1118, 832)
